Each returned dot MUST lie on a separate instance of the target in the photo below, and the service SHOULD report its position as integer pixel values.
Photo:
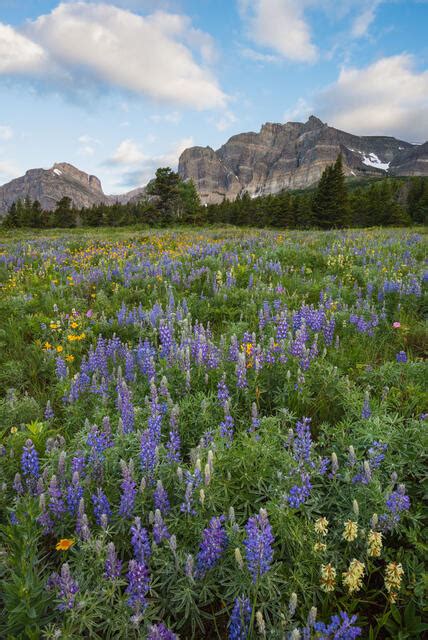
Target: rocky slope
(50, 185)
(293, 156)
(280, 156)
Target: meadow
(215, 433)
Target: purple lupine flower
(66, 587)
(160, 498)
(113, 566)
(401, 356)
(396, 503)
(17, 484)
(44, 519)
(341, 627)
(282, 328)
(140, 542)
(99, 441)
(239, 624)
(173, 446)
(328, 332)
(227, 428)
(366, 411)
(125, 406)
(258, 544)
(161, 632)
(223, 394)
(129, 490)
(82, 523)
(56, 502)
(160, 530)
(302, 442)
(214, 542)
(241, 372)
(299, 493)
(74, 494)
(138, 586)
(78, 463)
(101, 507)
(30, 466)
(60, 368)
(49, 414)
(255, 420)
(148, 454)
(376, 455)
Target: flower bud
(355, 508)
(238, 558)
(261, 626)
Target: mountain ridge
(292, 155)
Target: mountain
(293, 156)
(50, 185)
(280, 156)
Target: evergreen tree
(330, 204)
(165, 187)
(63, 214)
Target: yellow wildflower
(47, 346)
(350, 531)
(321, 526)
(328, 577)
(59, 348)
(353, 578)
(13, 430)
(74, 325)
(64, 544)
(374, 543)
(69, 358)
(393, 576)
(320, 546)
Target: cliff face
(280, 156)
(50, 185)
(293, 156)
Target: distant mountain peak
(293, 155)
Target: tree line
(168, 200)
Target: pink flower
(396, 325)
(89, 313)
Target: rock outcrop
(280, 156)
(50, 185)
(293, 156)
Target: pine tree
(63, 214)
(330, 204)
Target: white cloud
(19, 54)
(87, 145)
(363, 21)
(388, 97)
(226, 120)
(280, 26)
(128, 153)
(173, 117)
(8, 171)
(299, 113)
(257, 56)
(103, 45)
(144, 170)
(6, 132)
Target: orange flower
(64, 544)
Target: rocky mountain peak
(293, 156)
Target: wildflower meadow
(213, 434)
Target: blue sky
(119, 88)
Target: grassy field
(212, 434)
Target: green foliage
(215, 289)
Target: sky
(121, 87)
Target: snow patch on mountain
(372, 160)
